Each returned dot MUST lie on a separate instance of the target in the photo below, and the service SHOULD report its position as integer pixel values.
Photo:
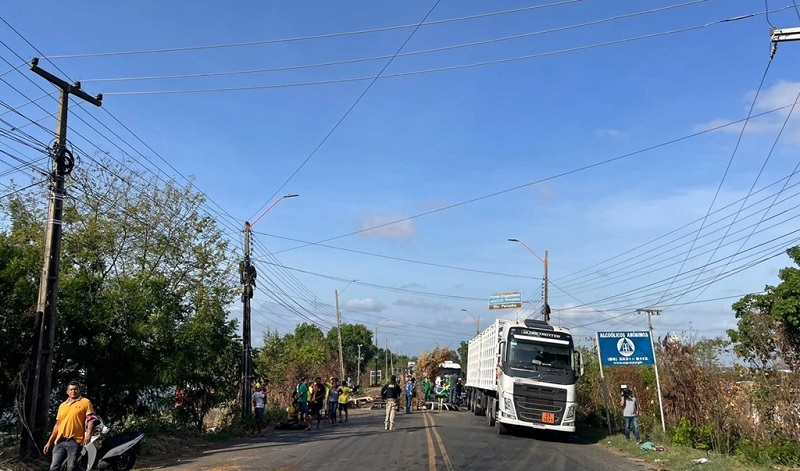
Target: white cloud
(610, 133)
(418, 302)
(366, 305)
(779, 95)
(384, 226)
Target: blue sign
(625, 348)
(507, 300)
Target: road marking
(431, 450)
(445, 457)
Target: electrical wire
(401, 55)
(350, 109)
(727, 168)
(436, 69)
(755, 181)
(308, 38)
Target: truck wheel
(502, 429)
(490, 411)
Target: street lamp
(339, 329)
(247, 273)
(377, 348)
(546, 307)
(477, 322)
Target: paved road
(424, 440)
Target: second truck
(523, 374)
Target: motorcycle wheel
(124, 462)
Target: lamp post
(247, 273)
(377, 348)
(546, 307)
(339, 329)
(477, 322)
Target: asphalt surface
(423, 440)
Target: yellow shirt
(71, 419)
(344, 397)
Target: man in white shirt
(259, 405)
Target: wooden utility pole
(40, 375)
(650, 313)
(248, 279)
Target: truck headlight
(508, 407)
(570, 415)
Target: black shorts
(343, 406)
(314, 408)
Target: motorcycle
(114, 452)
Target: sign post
(628, 349)
(505, 300)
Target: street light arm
(348, 284)
(290, 195)
(529, 250)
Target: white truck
(523, 373)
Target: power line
(401, 55)
(725, 173)
(352, 107)
(439, 69)
(313, 37)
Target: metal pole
(40, 377)
(603, 382)
(339, 330)
(377, 350)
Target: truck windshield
(527, 352)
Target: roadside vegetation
(146, 288)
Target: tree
(352, 336)
(463, 354)
(768, 330)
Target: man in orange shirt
(70, 433)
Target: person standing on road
(630, 412)
(259, 406)
(70, 432)
(426, 389)
(302, 402)
(453, 381)
(317, 404)
(344, 399)
(409, 390)
(333, 400)
(390, 392)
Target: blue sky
(580, 127)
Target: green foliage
(768, 330)
(785, 452)
(462, 350)
(686, 434)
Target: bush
(786, 453)
(686, 434)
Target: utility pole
(248, 275)
(546, 306)
(358, 369)
(650, 313)
(377, 350)
(40, 376)
(339, 330)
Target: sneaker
(638, 442)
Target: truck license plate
(548, 417)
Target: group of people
(318, 400)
